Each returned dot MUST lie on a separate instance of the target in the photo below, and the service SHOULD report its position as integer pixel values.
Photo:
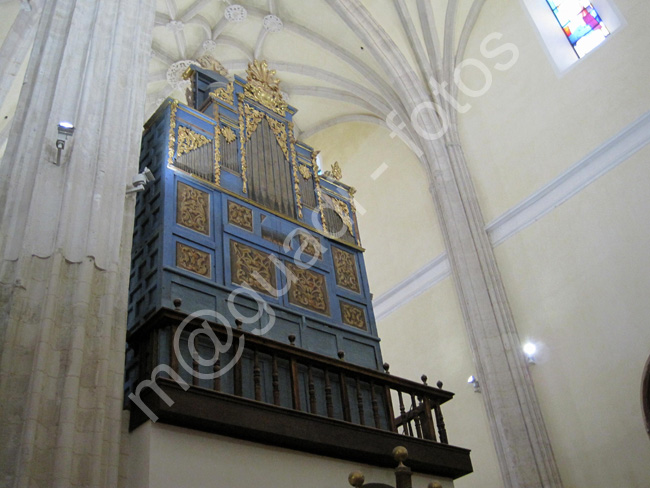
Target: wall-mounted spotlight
(65, 130)
(140, 181)
(474, 382)
(529, 350)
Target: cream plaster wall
(192, 459)
(578, 283)
(428, 337)
(531, 125)
(394, 207)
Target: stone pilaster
(518, 430)
(65, 233)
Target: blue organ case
(238, 215)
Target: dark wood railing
(290, 377)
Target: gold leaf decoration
(193, 260)
(345, 267)
(335, 172)
(308, 289)
(310, 245)
(242, 146)
(280, 131)
(226, 94)
(217, 154)
(245, 262)
(294, 165)
(264, 87)
(228, 134)
(208, 62)
(193, 208)
(353, 316)
(253, 119)
(304, 171)
(188, 140)
(172, 131)
(240, 216)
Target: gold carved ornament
(217, 154)
(294, 164)
(247, 263)
(335, 172)
(242, 144)
(345, 267)
(353, 316)
(208, 62)
(253, 119)
(310, 245)
(319, 193)
(308, 289)
(226, 94)
(240, 216)
(228, 134)
(188, 140)
(264, 87)
(172, 131)
(304, 172)
(280, 131)
(193, 208)
(193, 260)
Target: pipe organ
(238, 202)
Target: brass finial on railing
(402, 473)
(356, 479)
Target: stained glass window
(581, 23)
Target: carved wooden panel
(245, 262)
(193, 208)
(354, 316)
(193, 260)
(240, 216)
(310, 245)
(345, 267)
(308, 290)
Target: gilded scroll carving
(226, 94)
(193, 208)
(310, 245)
(253, 119)
(341, 209)
(172, 131)
(294, 165)
(242, 145)
(217, 154)
(193, 260)
(188, 140)
(280, 131)
(252, 268)
(335, 172)
(319, 193)
(308, 289)
(345, 267)
(240, 216)
(228, 134)
(264, 87)
(353, 316)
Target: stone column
(520, 437)
(65, 237)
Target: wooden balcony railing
(288, 378)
